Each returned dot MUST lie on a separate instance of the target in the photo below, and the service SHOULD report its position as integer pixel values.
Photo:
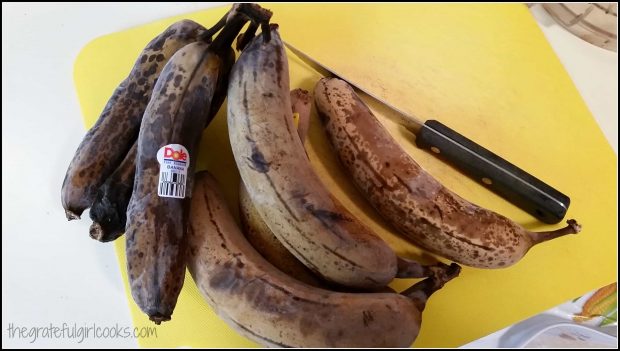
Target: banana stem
(572, 228)
(421, 291)
(407, 268)
(410, 269)
(244, 38)
(209, 33)
(256, 13)
(236, 19)
(228, 34)
(266, 30)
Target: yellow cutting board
(485, 70)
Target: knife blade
(500, 176)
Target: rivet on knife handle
(514, 184)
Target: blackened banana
(167, 154)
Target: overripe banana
(109, 209)
(414, 202)
(106, 144)
(167, 147)
(284, 188)
(256, 230)
(274, 309)
(157, 211)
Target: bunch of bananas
(302, 271)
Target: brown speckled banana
(167, 153)
(256, 230)
(108, 141)
(412, 200)
(274, 309)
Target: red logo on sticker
(170, 153)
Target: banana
(167, 152)
(274, 309)
(106, 144)
(265, 242)
(422, 209)
(109, 208)
(284, 188)
(256, 230)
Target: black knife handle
(502, 177)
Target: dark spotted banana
(414, 202)
(274, 309)
(109, 209)
(167, 152)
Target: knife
(500, 176)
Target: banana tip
(576, 227)
(302, 95)
(71, 215)
(95, 231)
(453, 271)
(450, 272)
(158, 318)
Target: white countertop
(52, 271)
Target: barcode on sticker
(173, 165)
(171, 184)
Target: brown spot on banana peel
(108, 141)
(273, 308)
(437, 219)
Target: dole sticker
(173, 165)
